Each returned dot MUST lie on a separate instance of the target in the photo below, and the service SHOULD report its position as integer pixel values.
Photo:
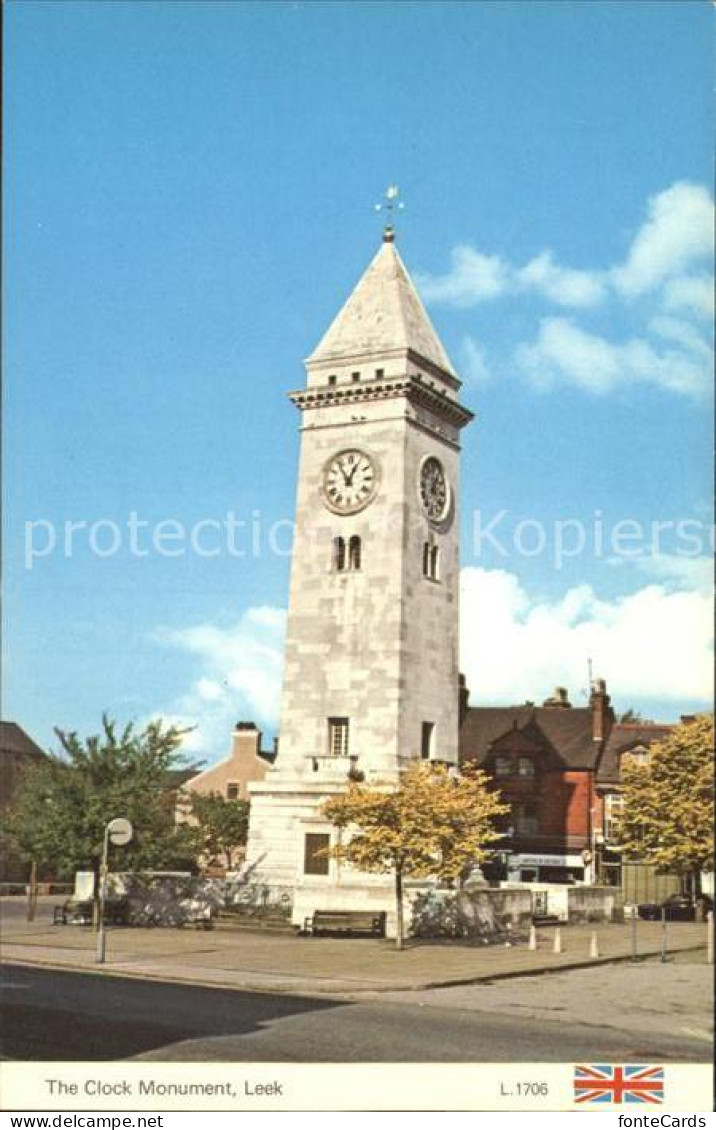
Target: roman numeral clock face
(434, 490)
(350, 481)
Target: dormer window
(526, 767)
(637, 756)
(503, 766)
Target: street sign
(120, 831)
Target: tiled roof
(15, 742)
(566, 733)
(624, 736)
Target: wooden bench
(346, 922)
(79, 912)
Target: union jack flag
(601, 1083)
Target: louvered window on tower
(339, 554)
(431, 562)
(338, 737)
(354, 549)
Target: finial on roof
(390, 205)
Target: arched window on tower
(354, 549)
(339, 554)
(426, 559)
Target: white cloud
(694, 294)
(239, 676)
(678, 230)
(563, 285)
(473, 278)
(474, 366)
(653, 644)
(667, 349)
(564, 353)
(696, 573)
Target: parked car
(679, 908)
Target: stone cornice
(413, 389)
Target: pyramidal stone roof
(383, 314)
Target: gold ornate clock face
(350, 481)
(434, 489)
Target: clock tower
(371, 660)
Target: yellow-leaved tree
(668, 815)
(435, 824)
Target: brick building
(246, 763)
(559, 767)
(17, 752)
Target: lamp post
(119, 832)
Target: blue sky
(189, 199)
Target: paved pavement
(345, 966)
(50, 1014)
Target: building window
(431, 562)
(380, 373)
(636, 756)
(354, 553)
(313, 862)
(355, 376)
(427, 741)
(339, 554)
(526, 767)
(233, 791)
(338, 737)
(613, 809)
(503, 767)
(332, 380)
(526, 821)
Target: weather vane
(390, 204)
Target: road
(75, 1016)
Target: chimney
(687, 718)
(600, 701)
(247, 741)
(559, 700)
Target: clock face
(350, 481)
(434, 489)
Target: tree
(63, 805)
(220, 826)
(668, 810)
(434, 824)
(633, 716)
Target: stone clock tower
(371, 663)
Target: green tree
(668, 811)
(435, 824)
(633, 716)
(60, 812)
(220, 827)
